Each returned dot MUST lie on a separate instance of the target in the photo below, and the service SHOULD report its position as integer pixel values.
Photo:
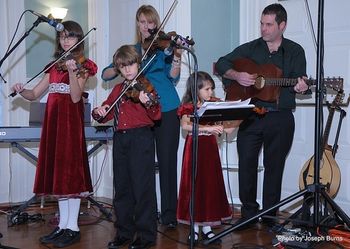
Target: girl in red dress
(63, 169)
(211, 204)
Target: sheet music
(224, 105)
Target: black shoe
(141, 244)
(196, 238)
(209, 235)
(69, 237)
(118, 242)
(52, 237)
(172, 225)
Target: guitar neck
(287, 82)
(328, 127)
(334, 83)
(281, 81)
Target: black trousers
(274, 132)
(134, 181)
(167, 132)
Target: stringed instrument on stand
(329, 169)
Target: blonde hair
(151, 15)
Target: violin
(164, 40)
(79, 60)
(142, 84)
(226, 123)
(214, 99)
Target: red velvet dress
(211, 204)
(63, 168)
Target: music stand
(316, 189)
(225, 111)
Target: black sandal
(205, 236)
(196, 238)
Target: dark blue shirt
(290, 58)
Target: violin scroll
(165, 40)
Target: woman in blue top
(164, 73)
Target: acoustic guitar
(268, 82)
(329, 169)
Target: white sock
(196, 230)
(63, 212)
(207, 229)
(74, 207)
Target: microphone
(58, 26)
(170, 49)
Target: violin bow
(132, 83)
(171, 9)
(55, 61)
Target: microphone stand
(35, 24)
(195, 128)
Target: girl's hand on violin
(71, 65)
(143, 97)
(18, 87)
(215, 129)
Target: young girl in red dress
(63, 169)
(211, 204)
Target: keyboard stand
(13, 216)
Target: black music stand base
(314, 189)
(102, 209)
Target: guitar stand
(317, 191)
(341, 117)
(304, 211)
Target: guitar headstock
(334, 83)
(338, 98)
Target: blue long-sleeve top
(158, 73)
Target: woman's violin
(142, 84)
(164, 40)
(79, 59)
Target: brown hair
(125, 55)
(71, 29)
(278, 10)
(202, 78)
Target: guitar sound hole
(259, 82)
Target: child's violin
(79, 59)
(143, 84)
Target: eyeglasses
(69, 38)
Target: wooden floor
(96, 232)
